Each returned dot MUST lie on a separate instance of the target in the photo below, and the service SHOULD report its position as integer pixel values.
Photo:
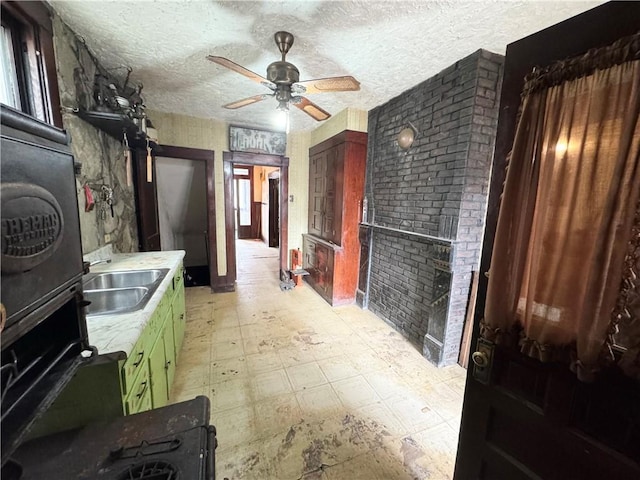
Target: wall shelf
(115, 124)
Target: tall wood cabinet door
(317, 168)
(329, 200)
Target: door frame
(227, 283)
(207, 156)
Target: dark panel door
(329, 200)
(274, 212)
(317, 188)
(243, 200)
(146, 202)
(523, 419)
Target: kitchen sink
(131, 278)
(115, 300)
(121, 292)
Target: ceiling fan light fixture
(283, 79)
(283, 106)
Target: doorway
(182, 214)
(234, 160)
(179, 168)
(243, 200)
(274, 212)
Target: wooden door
(243, 200)
(146, 202)
(329, 200)
(274, 212)
(523, 419)
(317, 188)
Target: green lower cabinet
(162, 365)
(179, 319)
(159, 387)
(169, 354)
(138, 399)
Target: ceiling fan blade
(225, 62)
(331, 84)
(311, 109)
(245, 101)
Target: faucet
(97, 262)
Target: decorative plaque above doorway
(257, 141)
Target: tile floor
(301, 390)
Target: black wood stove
(44, 335)
(170, 443)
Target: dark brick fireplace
(426, 206)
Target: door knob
(480, 359)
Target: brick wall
(427, 206)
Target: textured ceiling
(389, 46)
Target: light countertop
(120, 332)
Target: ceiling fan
(283, 80)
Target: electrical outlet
(107, 238)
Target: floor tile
(270, 384)
(229, 394)
(277, 413)
(355, 392)
(319, 400)
(338, 368)
(305, 376)
(263, 362)
(223, 335)
(228, 369)
(301, 390)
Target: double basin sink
(120, 292)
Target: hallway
(299, 389)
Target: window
(28, 76)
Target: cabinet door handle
(140, 357)
(144, 386)
(167, 365)
(182, 316)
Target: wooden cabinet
(179, 319)
(319, 262)
(162, 365)
(336, 190)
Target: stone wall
(101, 156)
(426, 206)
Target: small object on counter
(88, 196)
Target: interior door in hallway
(274, 212)
(243, 200)
(182, 212)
